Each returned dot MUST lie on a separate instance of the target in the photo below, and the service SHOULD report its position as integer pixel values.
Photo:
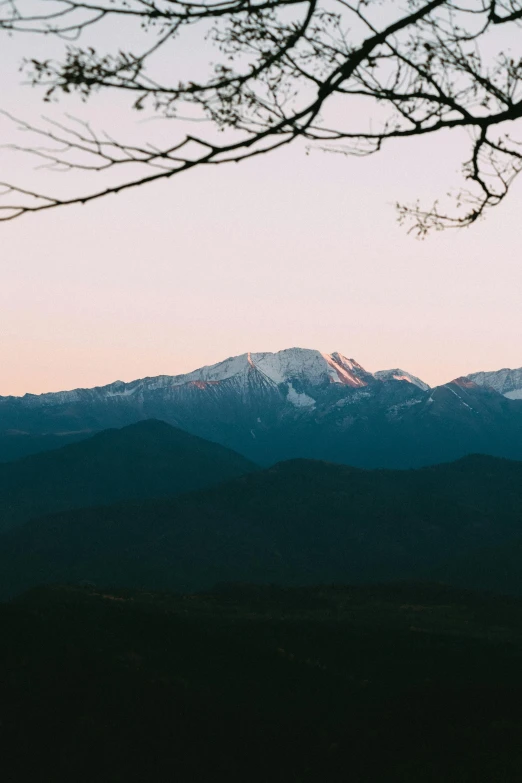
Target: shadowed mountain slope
(300, 522)
(144, 460)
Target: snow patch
(299, 399)
(394, 410)
(121, 393)
(516, 394)
(353, 398)
(401, 375)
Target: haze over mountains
(294, 403)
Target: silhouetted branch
(282, 69)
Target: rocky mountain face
(294, 403)
(507, 382)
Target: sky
(283, 250)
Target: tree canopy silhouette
(341, 75)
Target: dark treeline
(401, 683)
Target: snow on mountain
(400, 375)
(507, 382)
(299, 399)
(301, 370)
(50, 399)
(300, 376)
(309, 366)
(293, 403)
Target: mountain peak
(464, 382)
(304, 364)
(507, 382)
(401, 375)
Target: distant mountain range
(294, 403)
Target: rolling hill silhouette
(149, 459)
(300, 522)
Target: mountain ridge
(295, 402)
(299, 522)
(505, 380)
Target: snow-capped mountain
(309, 366)
(306, 367)
(293, 403)
(400, 375)
(507, 382)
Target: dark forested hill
(494, 568)
(300, 522)
(144, 460)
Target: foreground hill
(143, 460)
(294, 403)
(300, 522)
(398, 684)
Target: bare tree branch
(281, 70)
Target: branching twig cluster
(281, 65)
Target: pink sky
(281, 251)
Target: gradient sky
(281, 251)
